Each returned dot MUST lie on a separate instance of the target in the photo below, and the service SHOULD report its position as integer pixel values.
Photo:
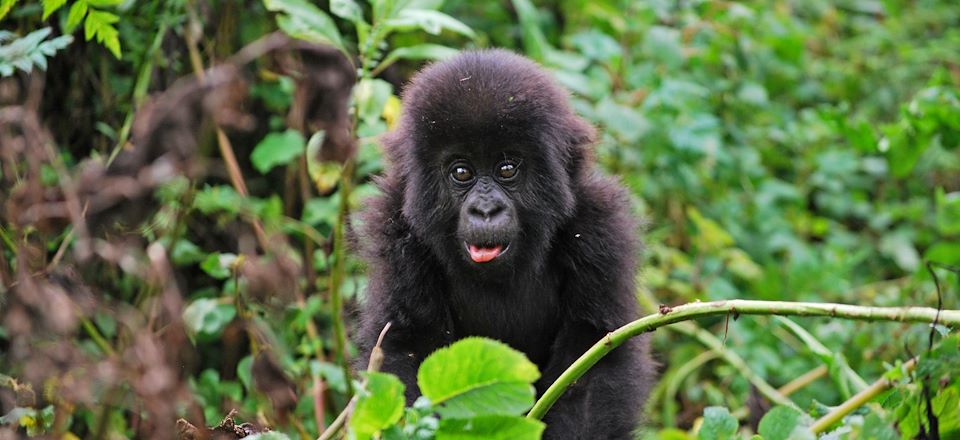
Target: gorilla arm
(598, 250)
(403, 282)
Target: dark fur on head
(569, 280)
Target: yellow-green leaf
(51, 6)
(5, 7)
(77, 11)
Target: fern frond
(29, 51)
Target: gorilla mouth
(482, 253)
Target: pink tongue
(483, 255)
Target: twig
(804, 380)
(732, 358)
(743, 307)
(376, 361)
(857, 401)
(821, 351)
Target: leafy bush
(779, 150)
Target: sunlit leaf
(380, 404)
(477, 376)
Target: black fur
(564, 283)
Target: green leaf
(99, 24)
(277, 149)
(51, 6)
(430, 21)
(875, 428)
(785, 423)
(490, 427)
(77, 11)
(220, 198)
(348, 10)
(321, 210)
(418, 52)
(710, 235)
(29, 51)
(104, 3)
(245, 372)
(6, 6)
(380, 404)
(534, 42)
(305, 21)
(478, 376)
(371, 95)
(218, 265)
(718, 424)
(208, 316)
(948, 212)
(624, 121)
(185, 252)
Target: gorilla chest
(525, 316)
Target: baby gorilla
(495, 222)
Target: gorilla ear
(579, 138)
(580, 134)
(392, 143)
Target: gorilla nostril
(486, 211)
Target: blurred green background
(778, 150)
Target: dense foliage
(175, 248)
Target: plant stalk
(687, 312)
(856, 401)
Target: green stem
(857, 401)
(337, 272)
(94, 334)
(139, 90)
(716, 345)
(7, 240)
(674, 382)
(737, 307)
(732, 358)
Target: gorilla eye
(461, 173)
(508, 170)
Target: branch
(687, 312)
(857, 400)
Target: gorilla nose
(486, 211)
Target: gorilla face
(487, 149)
(488, 226)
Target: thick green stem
(687, 312)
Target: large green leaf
(490, 428)
(477, 376)
(379, 405)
